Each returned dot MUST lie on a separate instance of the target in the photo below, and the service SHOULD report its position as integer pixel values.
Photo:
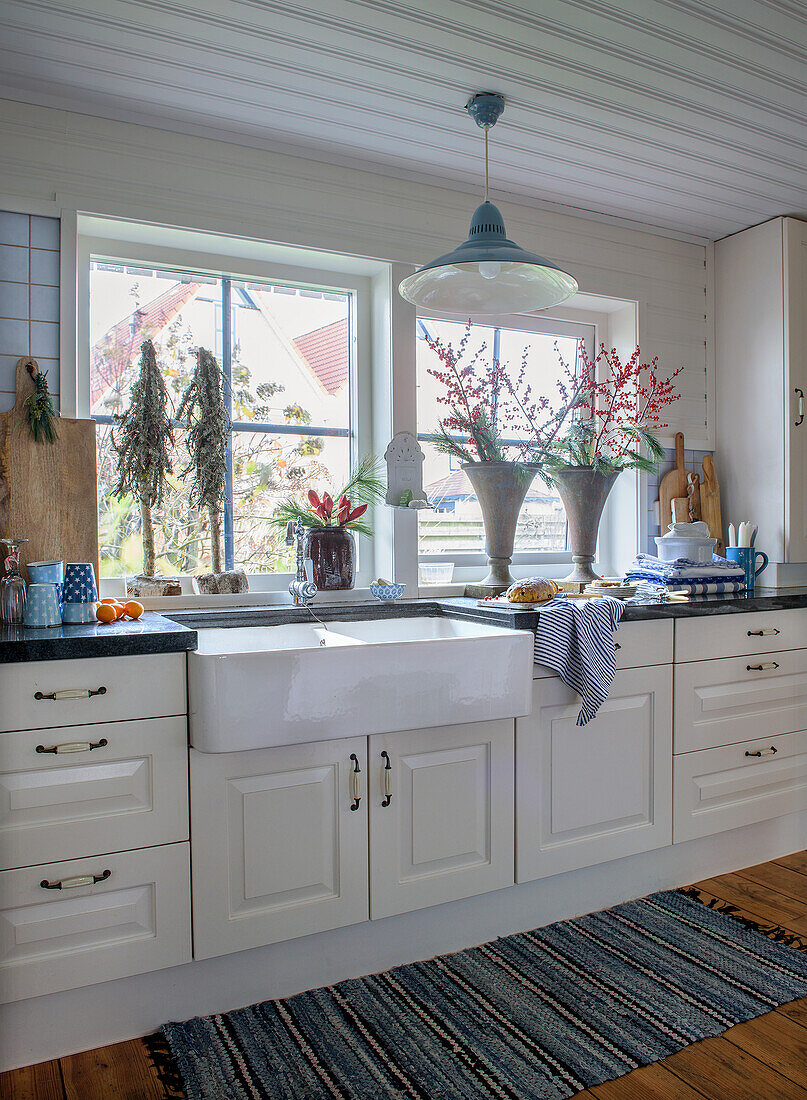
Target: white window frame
(588, 328)
(160, 252)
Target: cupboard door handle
(387, 779)
(76, 880)
(69, 693)
(763, 752)
(800, 395)
(617, 646)
(766, 632)
(355, 782)
(75, 746)
(763, 667)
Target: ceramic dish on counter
(621, 589)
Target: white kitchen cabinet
(89, 920)
(737, 699)
(705, 638)
(278, 850)
(734, 785)
(73, 791)
(761, 379)
(588, 794)
(441, 815)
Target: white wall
(56, 161)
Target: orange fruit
(133, 609)
(119, 609)
(105, 613)
(110, 599)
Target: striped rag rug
(535, 1016)
(575, 638)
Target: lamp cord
(486, 164)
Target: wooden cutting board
(710, 503)
(48, 491)
(673, 484)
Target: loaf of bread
(533, 590)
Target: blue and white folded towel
(651, 570)
(575, 638)
(713, 588)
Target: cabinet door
(441, 815)
(587, 794)
(278, 851)
(795, 283)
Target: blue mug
(746, 557)
(47, 572)
(79, 583)
(42, 606)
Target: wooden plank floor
(763, 1059)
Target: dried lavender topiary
(208, 426)
(142, 447)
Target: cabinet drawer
(122, 687)
(724, 702)
(724, 788)
(701, 639)
(134, 920)
(637, 645)
(129, 790)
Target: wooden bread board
(674, 484)
(710, 503)
(48, 491)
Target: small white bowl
(672, 547)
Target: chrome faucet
(302, 589)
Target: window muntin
(287, 354)
(454, 529)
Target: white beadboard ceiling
(688, 115)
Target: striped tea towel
(701, 588)
(575, 638)
(682, 571)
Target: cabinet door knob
(69, 693)
(800, 395)
(76, 880)
(766, 632)
(763, 667)
(355, 782)
(763, 752)
(387, 779)
(74, 746)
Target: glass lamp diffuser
(488, 273)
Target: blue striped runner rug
(535, 1016)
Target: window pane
(455, 524)
(267, 469)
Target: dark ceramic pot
(332, 551)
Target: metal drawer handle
(800, 395)
(355, 782)
(387, 779)
(70, 693)
(766, 632)
(75, 746)
(617, 646)
(763, 667)
(77, 880)
(763, 752)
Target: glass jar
(13, 590)
(332, 551)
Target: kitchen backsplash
(693, 461)
(29, 298)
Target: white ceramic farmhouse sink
(256, 686)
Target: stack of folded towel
(684, 575)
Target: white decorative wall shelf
(405, 472)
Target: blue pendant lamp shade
(488, 273)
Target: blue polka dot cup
(386, 592)
(42, 606)
(79, 583)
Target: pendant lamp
(487, 273)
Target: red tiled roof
(326, 352)
(456, 486)
(119, 346)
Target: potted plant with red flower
(613, 428)
(330, 521)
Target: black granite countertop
(155, 633)
(151, 633)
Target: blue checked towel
(575, 638)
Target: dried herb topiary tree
(144, 437)
(208, 426)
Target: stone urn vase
(584, 492)
(500, 488)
